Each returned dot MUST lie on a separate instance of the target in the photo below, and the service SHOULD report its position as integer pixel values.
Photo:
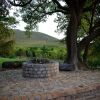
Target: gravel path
(12, 83)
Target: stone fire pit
(40, 68)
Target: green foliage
(6, 32)
(20, 52)
(94, 56)
(50, 52)
(6, 48)
(94, 63)
(42, 52)
(30, 53)
(45, 51)
(96, 48)
(6, 41)
(62, 21)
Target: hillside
(37, 38)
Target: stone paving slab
(12, 84)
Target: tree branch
(51, 12)
(86, 40)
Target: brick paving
(13, 85)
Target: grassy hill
(36, 39)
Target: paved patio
(13, 84)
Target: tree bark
(76, 7)
(71, 39)
(72, 42)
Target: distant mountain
(36, 36)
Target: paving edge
(90, 92)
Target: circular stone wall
(40, 70)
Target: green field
(37, 44)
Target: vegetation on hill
(35, 36)
(36, 39)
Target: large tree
(70, 13)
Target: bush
(49, 52)
(20, 52)
(12, 64)
(42, 52)
(56, 53)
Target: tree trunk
(76, 7)
(71, 40)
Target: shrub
(12, 64)
(43, 52)
(20, 52)
(49, 52)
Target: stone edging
(91, 92)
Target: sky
(49, 27)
